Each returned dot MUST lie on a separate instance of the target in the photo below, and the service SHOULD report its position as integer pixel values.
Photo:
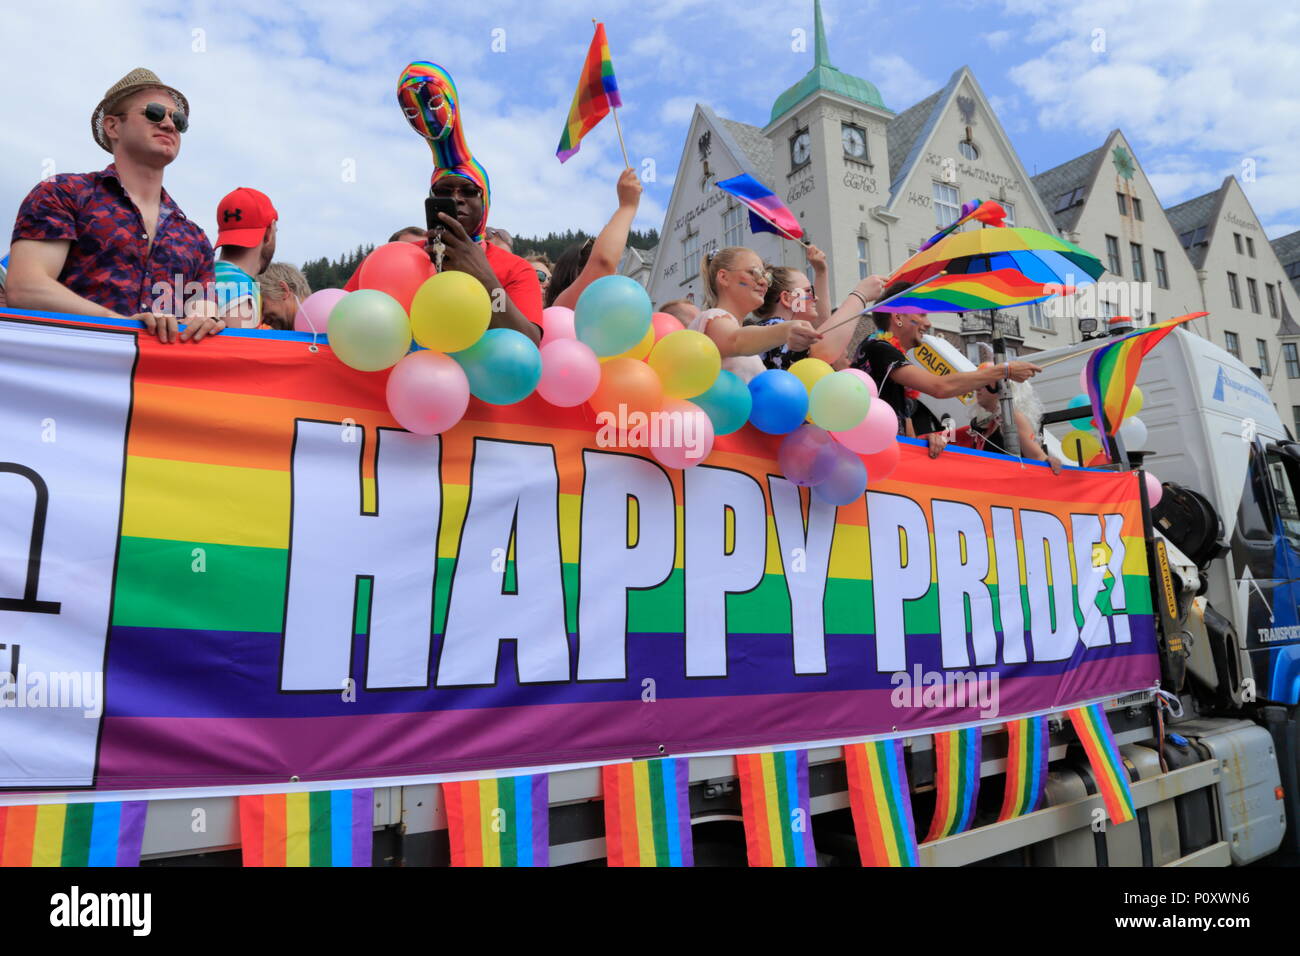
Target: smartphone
(434, 205)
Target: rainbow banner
(956, 782)
(74, 834)
(499, 822)
(596, 95)
(1028, 741)
(648, 813)
(881, 803)
(1112, 370)
(774, 800)
(999, 289)
(1093, 728)
(246, 571)
(321, 828)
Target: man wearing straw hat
(113, 243)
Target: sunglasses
(466, 191)
(156, 113)
(759, 275)
(543, 277)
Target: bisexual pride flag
(766, 212)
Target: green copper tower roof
(823, 76)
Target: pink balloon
(685, 434)
(427, 392)
(314, 311)
(570, 372)
(557, 323)
(877, 430)
(398, 268)
(870, 382)
(1155, 491)
(665, 324)
(1083, 378)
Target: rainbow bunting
(72, 834)
(1112, 370)
(956, 782)
(1093, 728)
(596, 95)
(648, 813)
(881, 802)
(1027, 748)
(499, 822)
(966, 292)
(323, 828)
(775, 803)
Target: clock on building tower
(800, 149)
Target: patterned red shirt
(110, 261)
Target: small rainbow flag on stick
(775, 803)
(499, 822)
(956, 782)
(648, 813)
(1027, 747)
(1113, 369)
(323, 828)
(1093, 728)
(73, 834)
(881, 802)
(596, 95)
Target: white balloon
(1134, 432)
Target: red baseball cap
(243, 217)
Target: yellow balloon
(687, 363)
(638, 351)
(1070, 444)
(1135, 401)
(810, 371)
(450, 312)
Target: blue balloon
(847, 480)
(503, 367)
(1081, 401)
(727, 403)
(780, 402)
(612, 315)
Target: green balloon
(369, 330)
(839, 401)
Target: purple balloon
(807, 455)
(847, 480)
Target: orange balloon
(629, 383)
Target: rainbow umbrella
(1036, 255)
(997, 289)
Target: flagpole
(617, 126)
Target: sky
(298, 99)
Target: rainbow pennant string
(1027, 748)
(1112, 370)
(324, 828)
(775, 803)
(881, 802)
(499, 822)
(73, 834)
(956, 782)
(648, 813)
(596, 95)
(1093, 728)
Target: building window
(864, 269)
(968, 149)
(1292, 270)
(1250, 247)
(1109, 309)
(1068, 199)
(1295, 416)
(1253, 289)
(1236, 237)
(1193, 237)
(691, 256)
(1038, 319)
(947, 204)
(1234, 293)
(1139, 267)
(1272, 299)
(1292, 361)
(1162, 273)
(1137, 209)
(733, 226)
(1231, 344)
(1112, 253)
(1262, 348)
(1123, 203)
(1010, 207)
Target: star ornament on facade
(1123, 162)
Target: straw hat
(138, 79)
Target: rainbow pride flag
(881, 803)
(648, 813)
(499, 822)
(987, 211)
(72, 834)
(1093, 728)
(322, 828)
(1112, 370)
(596, 95)
(766, 212)
(956, 782)
(1027, 748)
(966, 292)
(775, 803)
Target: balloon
(688, 363)
(780, 402)
(728, 403)
(1083, 377)
(882, 464)
(685, 434)
(847, 480)
(570, 373)
(503, 366)
(1091, 446)
(638, 351)
(313, 313)
(629, 383)
(1135, 402)
(427, 392)
(839, 401)
(557, 323)
(663, 324)
(369, 330)
(810, 371)
(1081, 401)
(1155, 490)
(1133, 433)
(450, 311)
(398, 268)
(807, 455)
(867, 380)
(612, 314)
(876, 432)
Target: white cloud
(997, 39)
(901, 85)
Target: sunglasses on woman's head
(156, 113)
(543, 276)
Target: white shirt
(745, 366)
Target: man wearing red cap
(246, 237)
